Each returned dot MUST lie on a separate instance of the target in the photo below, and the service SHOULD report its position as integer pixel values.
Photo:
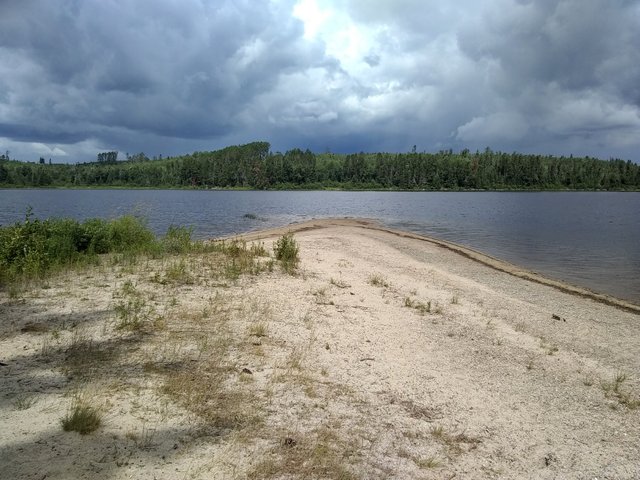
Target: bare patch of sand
(387, 356)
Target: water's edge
(477, 256)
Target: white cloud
(496, 127)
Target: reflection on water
(589, 239)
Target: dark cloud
(170, 76)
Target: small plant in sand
(613, 389)
(421, 308)
(286, 251)
(258, 329)
(377, 280)
(24, 401)
(339, 283)
(178, 273)
(455, 442)
(83, 417)
(429, 462)
(132, 310)
(178, 239)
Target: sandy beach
(387, 355)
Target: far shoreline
(312, 189)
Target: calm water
(589, 239)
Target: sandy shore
(388, 355)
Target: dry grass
(319, 453)
(613, 389)
(339, 283)
(456, 442)
(377, 280)
(420, 307)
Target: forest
(255, 166)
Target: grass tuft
(83, 418)
(421, 308)
(377, 280)
(429, 462)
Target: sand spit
(388, 355)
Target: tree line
(254, 166)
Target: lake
(591, 239)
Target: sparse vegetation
(320, 453)
(132, 311)
(455, 442)
(339, 283)
(420, 307)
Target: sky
(167, 77)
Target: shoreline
(475, 255)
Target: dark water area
(591, 239)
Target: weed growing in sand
(316, 454)
(549, 348)
(429, 462)
(377, 280)
(339, 283)
(286, 251)
(455, 442)
(178, 240)
(421, 308)
(258, 329)
(613, 389)
(83, 417)
(322, 298)
(177, 273)
(132, 311)
(455, 300)
(24, 401)
(234, 258)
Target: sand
(388, 355)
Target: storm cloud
(169, 76)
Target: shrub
(178, 239)
(286, 251)
(131, 234)
(30, 249)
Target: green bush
(31, 249)
(178, 239)
(286, 251)
(131, 234)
